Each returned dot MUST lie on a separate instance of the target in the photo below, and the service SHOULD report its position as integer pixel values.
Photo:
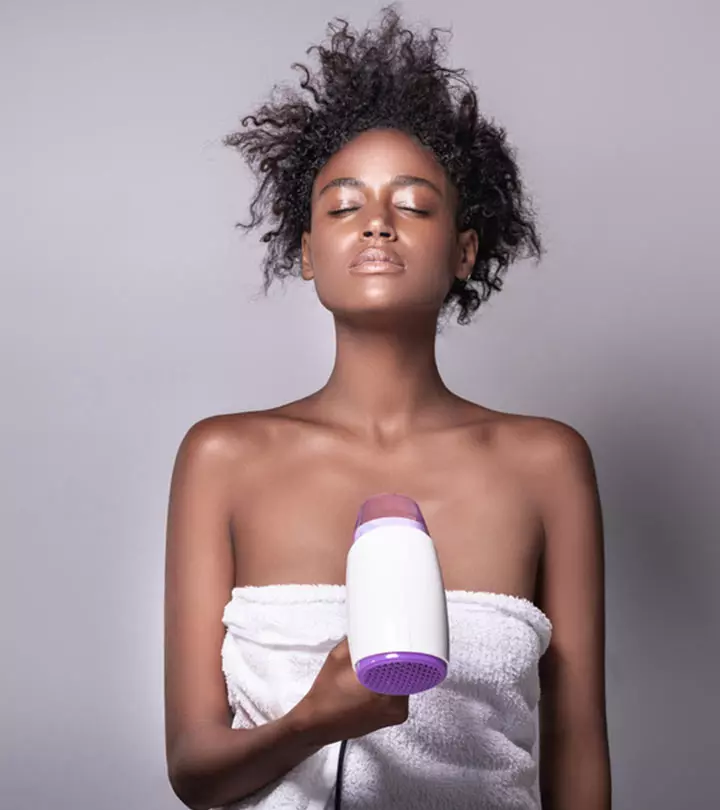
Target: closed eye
(420, 211)
(338, 211)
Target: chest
(295, 514)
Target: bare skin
(271, 497)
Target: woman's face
(383, 238)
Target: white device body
(396, 598)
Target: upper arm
(571, 590)
(199, 576)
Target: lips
(378, 257)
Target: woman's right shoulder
(229, 437)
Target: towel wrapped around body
(468, 743)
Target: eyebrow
(401, 180)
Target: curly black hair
(388, 77)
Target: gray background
(127, 313)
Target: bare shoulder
(546, 441)
(213, 441)
(541, 447)
(216, 442)
(226, 439)
(555, 464)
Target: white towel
(468, 743)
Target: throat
(382, 385)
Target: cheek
(439, 254)
(327, 263)
(322, 251)
(332, 250)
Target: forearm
(575, 774)
(217, 765)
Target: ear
(306, 261)
(468, 245)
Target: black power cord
(339, 779)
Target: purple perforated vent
(401, 673)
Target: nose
(379, 226)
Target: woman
(385, 188)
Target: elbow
(186, 780)
(186, 791)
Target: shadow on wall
(652, 441)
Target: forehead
(377, 156)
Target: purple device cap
(401, 673)
(388, 508)
(396, 673)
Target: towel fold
(468, 743)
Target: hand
(339, 707)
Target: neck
(384, 379)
